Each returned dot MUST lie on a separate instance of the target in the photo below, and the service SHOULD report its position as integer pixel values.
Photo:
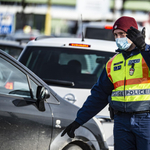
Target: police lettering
(133, 61)
(132, 92)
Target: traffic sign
(6, 23)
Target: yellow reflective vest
(131, 80)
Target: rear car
(33, 116)
(96, 30)
(70, 66)
(13, 48)
(23, 36)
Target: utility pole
(23, 14)
(48, 19)
(118, 7)
(122, 9)
(114, 10)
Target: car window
(82, 67)
(99, 33)
(13, 51)
(14, 82)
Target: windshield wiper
(59, 82)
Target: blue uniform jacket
(100, 92)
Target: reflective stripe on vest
(130, 84)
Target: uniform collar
(135, 51)
(147, 48)
(128, 54)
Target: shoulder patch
(117, 68)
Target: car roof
(102, 45)
(12, 43)
(98, 24)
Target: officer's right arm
(97, 100)
(94, 103)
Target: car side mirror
(42, 94)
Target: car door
(22, 125)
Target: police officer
(126, 78)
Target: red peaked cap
(124, 23)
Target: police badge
(131, 71)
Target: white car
(71, 66)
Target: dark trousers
(132, 131)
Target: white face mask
(122, 43)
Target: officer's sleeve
(146, 55)
(97, 100)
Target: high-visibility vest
(131, 80)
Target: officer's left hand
(70, 129)
(136, 37)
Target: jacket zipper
(124, 85)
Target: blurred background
(62, 17)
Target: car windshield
(67, 65)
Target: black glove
(136, 37)
(70, 129)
